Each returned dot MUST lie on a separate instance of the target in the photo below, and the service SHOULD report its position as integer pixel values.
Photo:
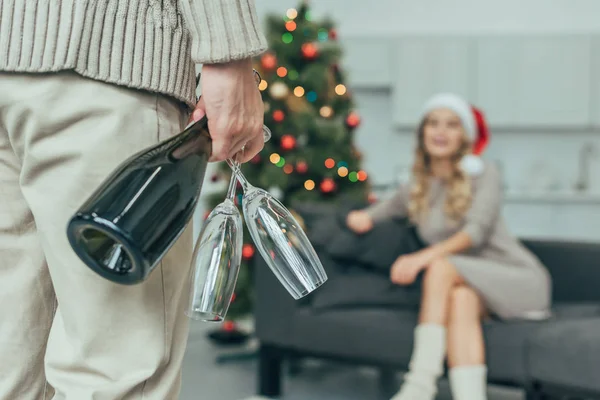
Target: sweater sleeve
(395, 206)
(482, 217)
(223, 30)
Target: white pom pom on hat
(474, 124)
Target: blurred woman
(473, 266)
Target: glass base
(204, 316)
(307, 292)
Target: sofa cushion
(353, 286)
(376, 336)
(376, 250)
(507, 342)
(567, 353)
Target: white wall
(459, 16)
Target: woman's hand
(359, 221)
(405, 269)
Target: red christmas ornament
(310, 51)
(278, 116)
(268, 62)
(256, 159)
(248, 251)
(333, 34)
(302, 167)
(327, 185)
(353, 120)
(229, 326)
(288, 142)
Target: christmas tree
(309, 109)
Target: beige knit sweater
(145, 44)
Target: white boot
(468, 382)
(426, 364)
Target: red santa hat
(474, 124)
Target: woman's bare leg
(466, 351)
(465, 334)
(429, 351)
(439, 280)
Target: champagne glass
(280, 240)
(216, 261)
(217, 258)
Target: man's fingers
(221, 141)
(251, 149)
(247, 134)
(199, 111)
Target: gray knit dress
(510, 280)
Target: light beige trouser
(60, 136)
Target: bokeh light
(309, 184)
(340, 90)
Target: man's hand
(406, 268)
(233, 105)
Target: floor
(205, 379)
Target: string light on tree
(274, 158)
(361, 176)
(310, 51)
(290, 26)
(327, 185)
(353, 120)
(288, 168)
(309, 184)
(268, 62)
(278, 116)
(248, 251)
(330, 163)
(287, 38)
(326, 111)
(256, 159)
(279, 90)
(299, 91)
(343, 172)
(302, 167)
(263, 85)
(282, 72)
(292, 13)
(340, 89)
(288, 142)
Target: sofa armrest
(574, 267)
(274, 307)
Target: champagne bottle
(127, 225)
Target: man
(84, 84)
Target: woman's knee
(465, 304)
(442, 271)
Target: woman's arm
(480, 220)
(395, 206)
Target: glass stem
(232, 187)
(235, 167)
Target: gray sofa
(379, 332)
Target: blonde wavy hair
(459, 190)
